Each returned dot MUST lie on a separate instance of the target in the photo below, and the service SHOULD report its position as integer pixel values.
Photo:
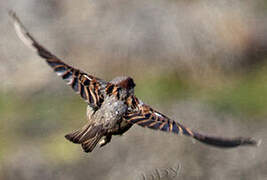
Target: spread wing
(143, 115)
(90, 88)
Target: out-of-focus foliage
(201, 63)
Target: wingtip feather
(259, 142)
(21, 31)
(250, 141)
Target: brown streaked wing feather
(143, 115)
(90, 88)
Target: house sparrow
(112, 106)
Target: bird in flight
(112, 107)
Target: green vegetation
(163, 88)
(246, 95)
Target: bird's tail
(88, 136)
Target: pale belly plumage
(109, 115)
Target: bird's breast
(110, 112)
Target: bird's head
(125, 82)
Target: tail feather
(77, 136)
(90, 144)
(88, 136)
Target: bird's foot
(106, 140)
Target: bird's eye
(131, 83)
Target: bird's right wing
(143, 115)
(90, 88)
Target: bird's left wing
(90, 88)
(143, 115)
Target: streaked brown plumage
(112, 106)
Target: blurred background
(202, 63)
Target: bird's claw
(104, 141)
